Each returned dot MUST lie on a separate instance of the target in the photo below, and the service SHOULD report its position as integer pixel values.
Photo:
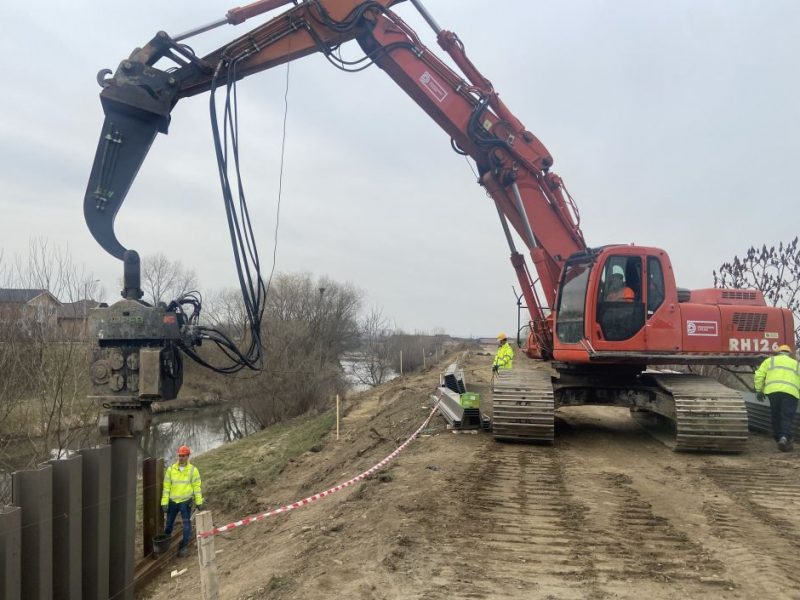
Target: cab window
(620, 280)
(571, 303)
(620, 307)
(655, 285)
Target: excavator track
(708, 415)
(522, 406)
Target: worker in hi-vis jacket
(778, 378)
(182, 486)
(504, 358)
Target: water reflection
(202, 430)
(352, 367)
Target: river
(201, 429)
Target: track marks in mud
(770, 492)
(543, 523)
(526, 532)
(760, 524)
(548, 522)
(646, 545)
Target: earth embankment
(608, 511)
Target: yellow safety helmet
(501, 336)
(784, 348)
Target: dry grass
(233, 473)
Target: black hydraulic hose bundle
(245, 252)
(248, 266)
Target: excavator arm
(139, 98)
(513, 165)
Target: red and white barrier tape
(315, 497)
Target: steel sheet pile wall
(67, 532)
(33, 492)
(152, 517)
(96, 521)
(123, 516)
(759, 415)
(10, 556)
(55, 540)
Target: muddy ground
(609, 511)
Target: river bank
(607, 511)
(293, 460)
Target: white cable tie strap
(320, 495)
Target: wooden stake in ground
(337, 416)
(205, 554)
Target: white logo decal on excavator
(434, 87)
(702, 328)
(750, 345)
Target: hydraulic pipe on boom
(235, 16)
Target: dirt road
(609, 511)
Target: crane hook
(102, 79)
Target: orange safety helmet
(184, 451)
(784, 348)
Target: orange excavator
(598, 341)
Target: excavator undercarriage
(523, 406)
(707, 415)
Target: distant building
(73, 318)
(27, 312)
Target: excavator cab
(614, 301)
(620, 305)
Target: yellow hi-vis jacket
(779, 373)
(181, 485)
(504, 359)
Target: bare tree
(308, 325)
(413, 347)
(164, 280)
(44, 364)
(373, 366)
(774, 271)
(329, 309)
(51, 268)
(225, 310)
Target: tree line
(310, 324)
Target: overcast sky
(673, 124)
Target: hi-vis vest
(779, 373)
(180, 486)
(504, 359)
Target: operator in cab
(778, 378)
(618, 291)
(504, 358)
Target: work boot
(183, 552)
(783, 444)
